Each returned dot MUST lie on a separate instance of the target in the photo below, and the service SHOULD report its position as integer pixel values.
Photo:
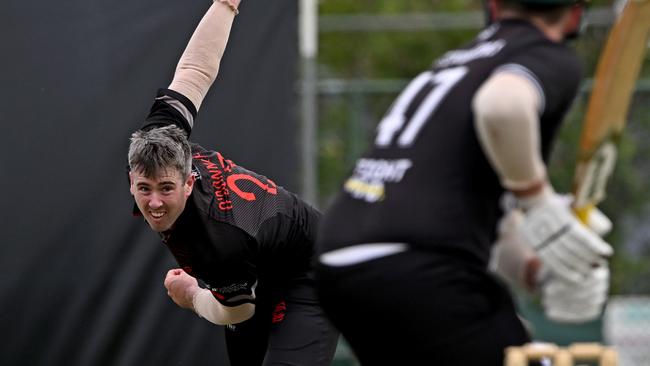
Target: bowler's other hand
(181, 287)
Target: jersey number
(440, 84)
(249, 196)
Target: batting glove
(511, 258)
(570, 302)
(565, 246)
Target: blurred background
(301, 89)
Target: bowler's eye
(167, 189)
(143, 189)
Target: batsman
(405, 247)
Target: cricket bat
(614, 83)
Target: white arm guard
(206, 306)
(507, 123)
(199, 64)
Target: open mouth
(157, 215)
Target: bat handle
(583, 212)
(595, 220)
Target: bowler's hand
(181, 287)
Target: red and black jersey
(426, 181)
(240, 233)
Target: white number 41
(395, 120)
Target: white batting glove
(570, 302)
(597, 221)
(566, 247)
(512, 259)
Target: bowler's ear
(131, 186)
(189, 185)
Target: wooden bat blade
(614, 83)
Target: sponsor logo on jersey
(230, 288)
(233, 292)
(216, 170)
(370, 176)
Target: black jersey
(426, 180)
(240, 232)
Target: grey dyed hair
(154, 151)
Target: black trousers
(288, 330)
(419, 307)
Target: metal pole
(308, 38)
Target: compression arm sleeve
(206, 306)
(199, 64)
(506, 116)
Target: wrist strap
(232, 4)
(528, 202)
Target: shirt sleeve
(233, 293)
(171, 108)
(229, 270)
(555, 88)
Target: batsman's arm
(199, 65)
(506, 110)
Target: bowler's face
(162, 198)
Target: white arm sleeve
(506, 109)
(206, 306)
(199, 64)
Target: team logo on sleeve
(370, 176)
(238, 291)
(235, 287)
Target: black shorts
(421, 308)
(287, 330)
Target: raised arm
(199, 64)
